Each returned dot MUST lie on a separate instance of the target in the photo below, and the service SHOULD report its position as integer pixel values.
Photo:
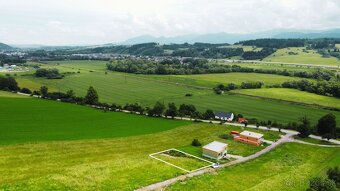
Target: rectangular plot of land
(181, 160)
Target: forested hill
(4, 47)
(249, 50)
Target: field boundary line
(188, 171)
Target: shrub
(196, 143)
(322, 184)
(25, 91)
(334, 174)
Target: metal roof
(215, 146)
(252, 134)
(223, 114)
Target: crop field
(309, 57)
(121, 88)
(292, 95)
(288, 167)
(110, 158)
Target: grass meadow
(288, 167)
(309, 57)
(48, 145)
(34, 120)
(292, 95)
(121, 88)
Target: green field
(292, 95)
(69, 147)
(310, 57)
(288, 167)
(34, 120)
(121, 88)
(211, 80)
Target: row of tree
(320, 87)
(202, 66)
(329, 183)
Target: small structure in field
(249, 137)
(242, 120)
(224, 116)
(215, 150)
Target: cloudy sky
(57, 22)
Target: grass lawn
(288, 167)
(309, 57)
(34, 120)
(292, 95)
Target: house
(249, 137)
(215, 150)
(224, 116)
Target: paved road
(166, 183)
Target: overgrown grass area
(297, 55)
(292, 95)
(182, 160)
(288, 167)
(34, 120)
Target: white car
(215, 165)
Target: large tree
(43, 91)
(91, 96)
(172, 110)
(304, 128)
(326, 126)
(157, 110)
(208, 114)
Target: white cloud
(104, 21)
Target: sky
(81, 22)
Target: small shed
(215, 150)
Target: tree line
(202, 66)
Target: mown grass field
(211, 80)
(123, 88)
(34, 120)
(70, 147)
(288, 167)
(292, 95)
(310, 57)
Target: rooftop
(215, 146)
(252, 134)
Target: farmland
(211, 80)
(297, 55)
(288, 167)
(51, 121)
(66, 157)
(121, 88)
(292, 95)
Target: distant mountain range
(4, 47)
(232, 38)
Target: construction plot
(181, 160)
